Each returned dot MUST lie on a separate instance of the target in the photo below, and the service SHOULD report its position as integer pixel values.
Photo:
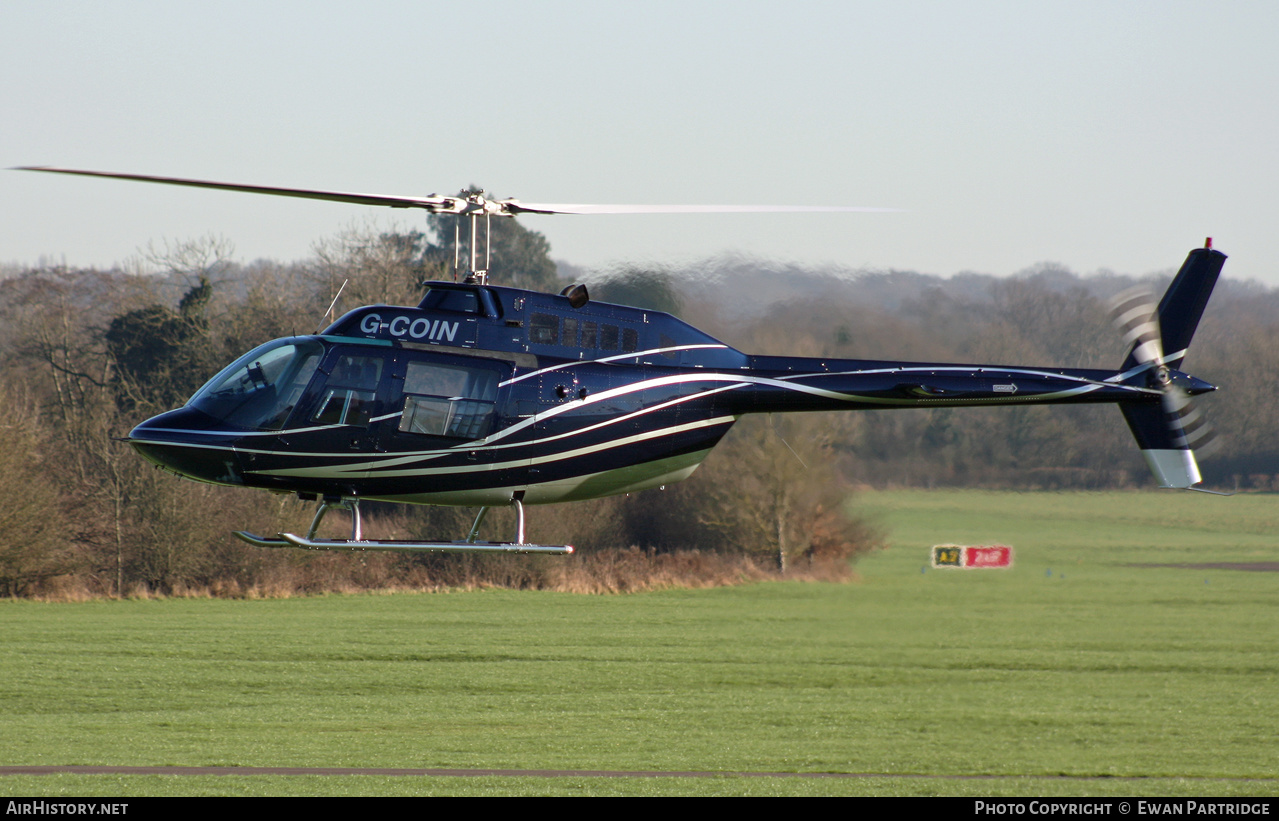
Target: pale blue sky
(1095, 135)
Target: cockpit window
(259, 389)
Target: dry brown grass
(214, 565)
(632, 570)
(602, 571)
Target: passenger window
(590, 334)
(570, 331)
(544, 329)
(350, 391)
(448, 400)
(608, 337)
(630, 340)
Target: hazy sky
(1096, 135)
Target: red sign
(988, 556)
(952, 555)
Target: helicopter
(484, 395)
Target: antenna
(329, 313)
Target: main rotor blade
(431, 203)
(459, 205)
(517, 207)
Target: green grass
(1072, 663)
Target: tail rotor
(1136, 314)
(1171, 435)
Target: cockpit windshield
(259, 389)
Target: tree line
(85, 354)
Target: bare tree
(377, 266)
(34, 546)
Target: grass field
(1081, 670)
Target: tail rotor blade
(1189, 427)
(1136, 314)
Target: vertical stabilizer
(1183, 304)
(1169, 457)
(1167, 430)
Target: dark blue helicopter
(484, 395)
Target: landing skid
(357, 542)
